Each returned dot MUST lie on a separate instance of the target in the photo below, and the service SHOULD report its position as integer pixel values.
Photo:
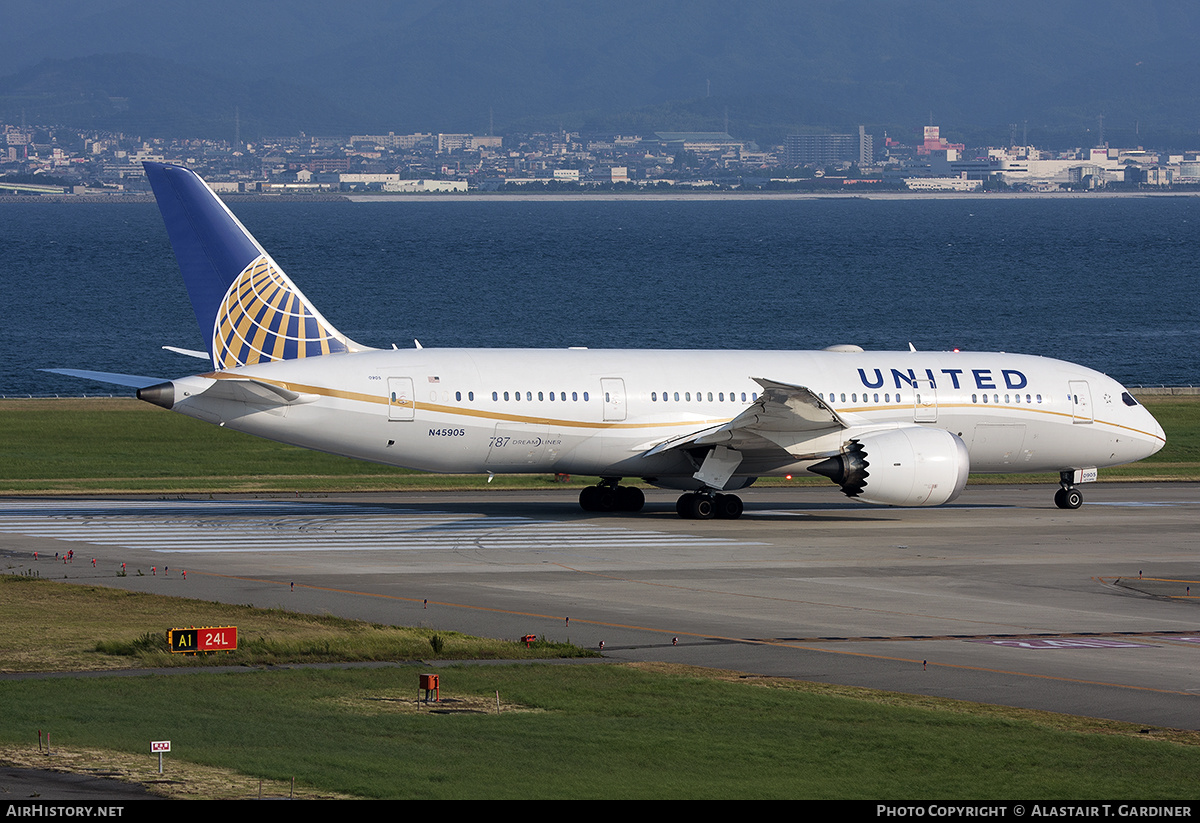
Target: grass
(97, 446)
(597, 730)
(44, 631)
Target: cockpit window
(1128, 399)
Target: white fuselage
(596, 412)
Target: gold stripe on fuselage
(585, 424)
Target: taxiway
(999, 597)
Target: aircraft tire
(728, 506)
(588, 498)
(702, 507)
(683, 506)
(1068, 498)
(630, 499)
(606, 499)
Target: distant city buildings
(828, 149)
(46, 159)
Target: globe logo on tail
(263, 318)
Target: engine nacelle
(910, 466)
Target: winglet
(248, 310)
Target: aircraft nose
(1152, 438)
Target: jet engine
(911, 466)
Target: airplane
(892, 428)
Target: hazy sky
(455, 64)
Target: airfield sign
(203, 639)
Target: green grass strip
(592, 731)
(95, 446)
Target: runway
(998, 598)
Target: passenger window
(458, 396)
(585, 397)
(541, 397)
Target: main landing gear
(607, 496)
(1068, 497)
(707, 505)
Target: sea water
(1106, 282)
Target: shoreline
(596, 196)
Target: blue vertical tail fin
(248, 310)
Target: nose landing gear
(1068, 497)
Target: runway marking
(793, 600)
(801, 646)
(1042, 643)
(197, 527)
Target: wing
(787, 423)
(784, 415)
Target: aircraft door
(401, 401)
(924, 401)
(613, 389)
(1081, 402)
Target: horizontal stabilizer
(136, 381)
(199, 355)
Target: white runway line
(242, 527)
